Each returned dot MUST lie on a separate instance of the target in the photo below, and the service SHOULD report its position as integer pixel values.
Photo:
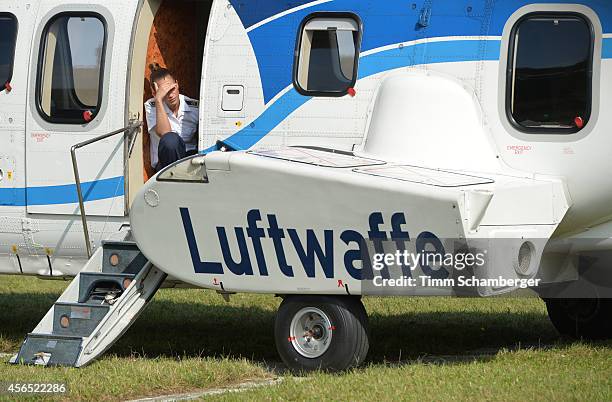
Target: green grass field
(421, 349)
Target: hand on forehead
(167, 80)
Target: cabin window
(327, 54)
(70, 72)
(8, 38)
(550, 73)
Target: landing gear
(581, 318)
(321, 332)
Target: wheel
(581, 318)
(321, 332)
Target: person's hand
(162, 90)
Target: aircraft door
(16, 26)
(77, 93)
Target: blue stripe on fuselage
(429, 53)
(253, 11)
(433, 52)
(62, 194)
(606, 51)
(272, 117)
(385, 22)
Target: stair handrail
(133, 125)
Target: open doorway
(176, 41)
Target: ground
(422, 349)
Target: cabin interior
(172, 33)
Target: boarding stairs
(98, 306)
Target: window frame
(510, 69)
(39, 71)
(298, 47)
(14, 52)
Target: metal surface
(129, 129)
(90, 280)
(50, 350)
(129, 258)
(77, 319)
(311, 332)
(83, 324)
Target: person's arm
(162, 125)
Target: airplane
(332, 135)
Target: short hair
(158, 73)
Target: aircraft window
(71, 68)
(327, 54)
(8, 37)
(550, 74)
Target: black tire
(581, 318)
(349, 342)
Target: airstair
(98, 306)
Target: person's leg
(171, 149)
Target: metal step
(50, 350)
(122, 257)
(95, 309)
(77, 319)
(106, 282)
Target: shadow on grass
(173, 329)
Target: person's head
(161, 77)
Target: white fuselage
(249, 54)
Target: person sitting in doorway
(172, 119)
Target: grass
(576, 372)
(421, 348)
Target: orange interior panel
(173, 44)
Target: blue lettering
(256, 234)
(357, 260)
(361, 254)
(198, 266)
(277, 235)
(400, 237)
(377, 237)
(239, 268)
(314, 247)
(375, 220)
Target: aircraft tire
(581, 318)
(337, 328)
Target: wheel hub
(310, 332)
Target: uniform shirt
(185, 124)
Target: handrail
(131, 127)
